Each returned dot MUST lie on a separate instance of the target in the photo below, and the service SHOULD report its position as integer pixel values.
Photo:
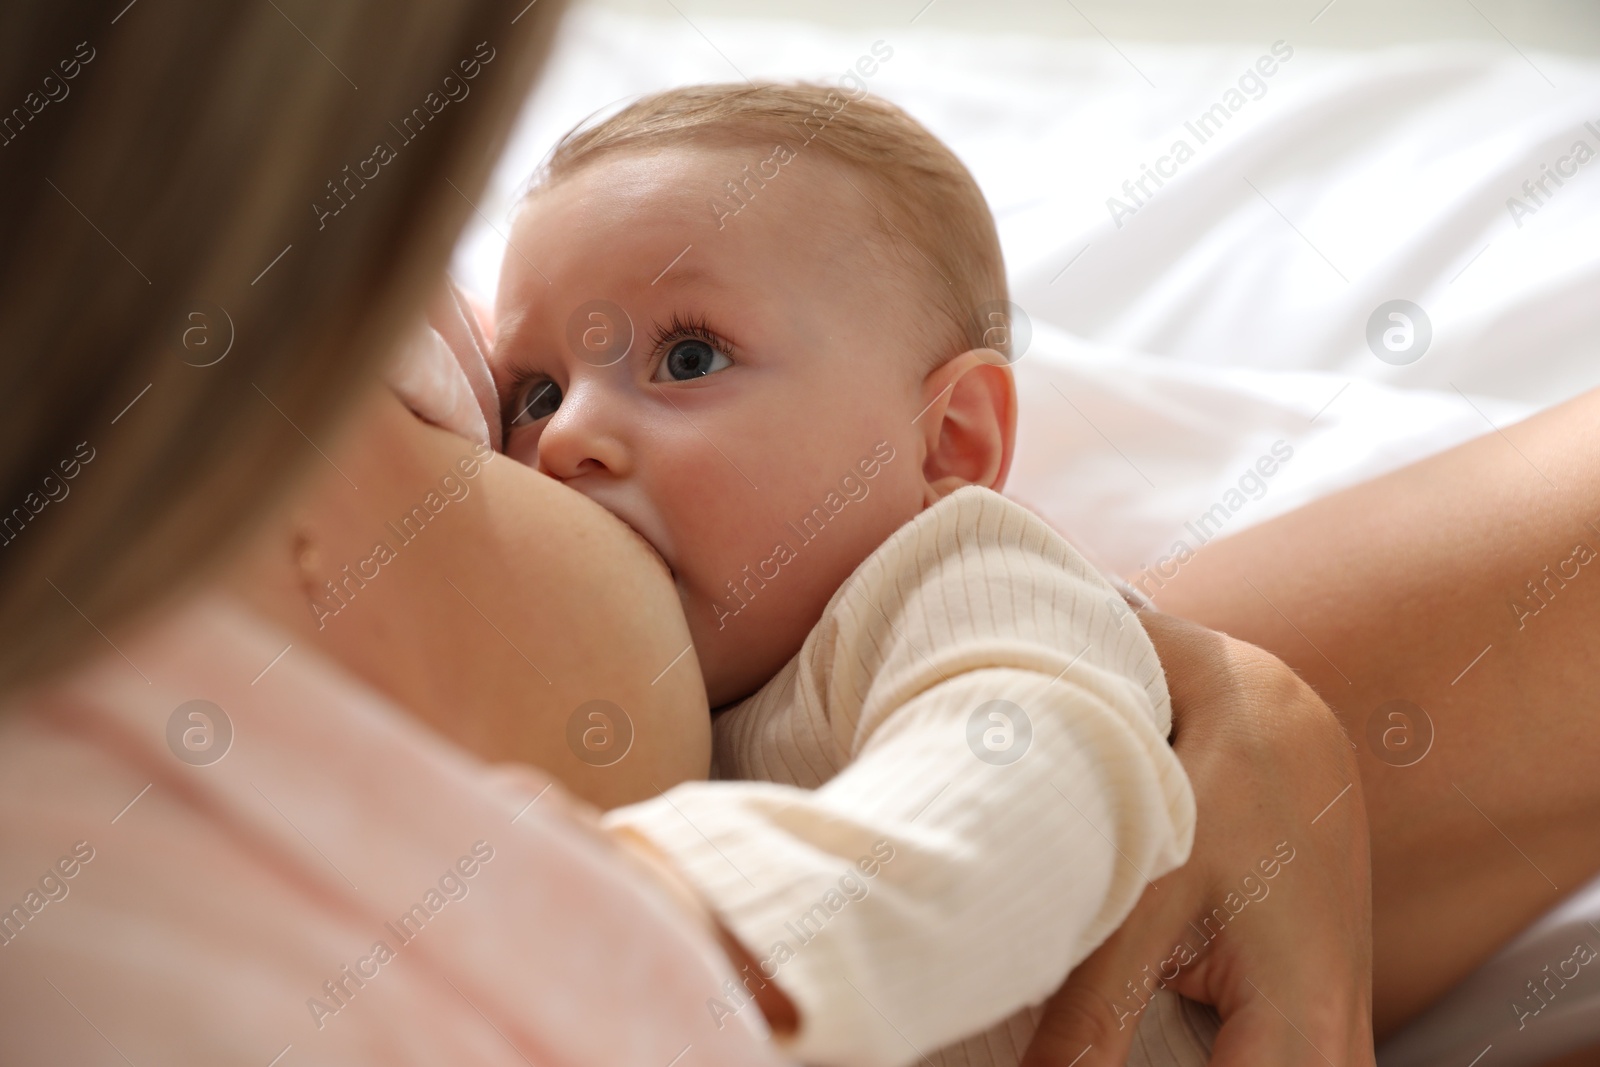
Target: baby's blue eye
(533, 400)
(691, 358)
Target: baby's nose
(584, 436)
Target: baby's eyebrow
(508, 323)
(507, 334)
(684, 272)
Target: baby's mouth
(635, 527)
(654, 551)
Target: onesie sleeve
(1006, 791)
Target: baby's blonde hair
(927, 205)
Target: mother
(218, 847)
(217, 222)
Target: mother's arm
(534, 599)
(1467, 585)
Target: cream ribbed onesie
(955, 790)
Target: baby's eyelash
(520, 377)
(695, 326)
(677, 328)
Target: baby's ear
(969, 423)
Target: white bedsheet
(1228, 311)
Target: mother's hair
(160, 161)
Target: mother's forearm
(1449, 613)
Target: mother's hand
(1291, 970)
(442, 374)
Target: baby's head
(756, 323)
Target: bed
(1187, 312)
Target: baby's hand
(443, 376)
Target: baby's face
(759, 431)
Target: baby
(765, 326)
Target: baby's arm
(944, 878)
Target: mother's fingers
(442, 372)
(1270, 918)
(1317, 999)
(1288, 974)
(1091, 1020)
(1312, 1012)
(457, 319)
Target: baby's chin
(732, 670)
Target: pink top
(341, 886)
